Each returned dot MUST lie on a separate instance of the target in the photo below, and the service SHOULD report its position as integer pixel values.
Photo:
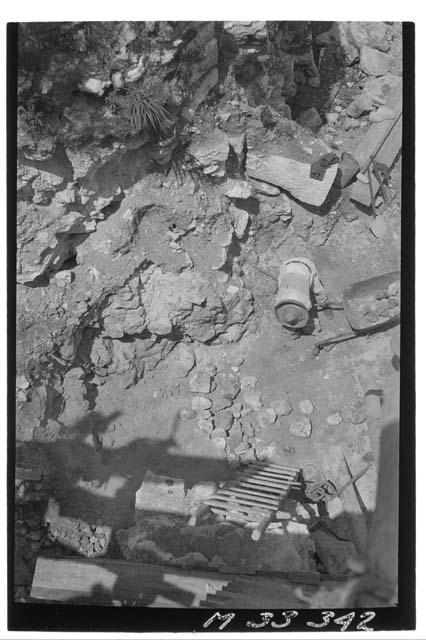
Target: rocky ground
(147, 344)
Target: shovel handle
(330, 304)
(339, 336)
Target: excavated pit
(150, 363)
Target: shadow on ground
(98, 484)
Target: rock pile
(90, 540)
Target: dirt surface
(159, 310)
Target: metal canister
(297, 279)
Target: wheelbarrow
(352, 299)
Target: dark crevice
(69, 263)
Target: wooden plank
(263, 483)
(335, 469)
(234, 516)
(378, 131)
(366, 485)
(261, 527)
(259, 473)
(104, 580)
(241, 492)
(275, 472)
(260, 487)
(255, 491)
(281, 467)
(285, 483)
(291, 175)
(101, 581)
(389, 151)
(235, 501)
(247, 513)
(27, 474)
(256, 592)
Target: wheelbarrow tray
(356, 294)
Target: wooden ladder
(253, 497)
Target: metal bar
(345, 335)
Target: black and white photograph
(210, 298)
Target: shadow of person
(98, 484)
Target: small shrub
(146, 114)
(134, 111)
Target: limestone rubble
(147, 348)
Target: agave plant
(145, 113)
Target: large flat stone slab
(293, 176)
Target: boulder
(210, 151)
(338, 36)
(242, 31)
(379, 88)
(291, 175)
(199, 492)
(382, 113)
(265, 189)
(362, 104)
(372, 34)
(202, 90)
(208, 59)
(373, 62)
(237, 189)
(310, 118)
(333, 553)
(282, 407)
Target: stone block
(159, 493)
